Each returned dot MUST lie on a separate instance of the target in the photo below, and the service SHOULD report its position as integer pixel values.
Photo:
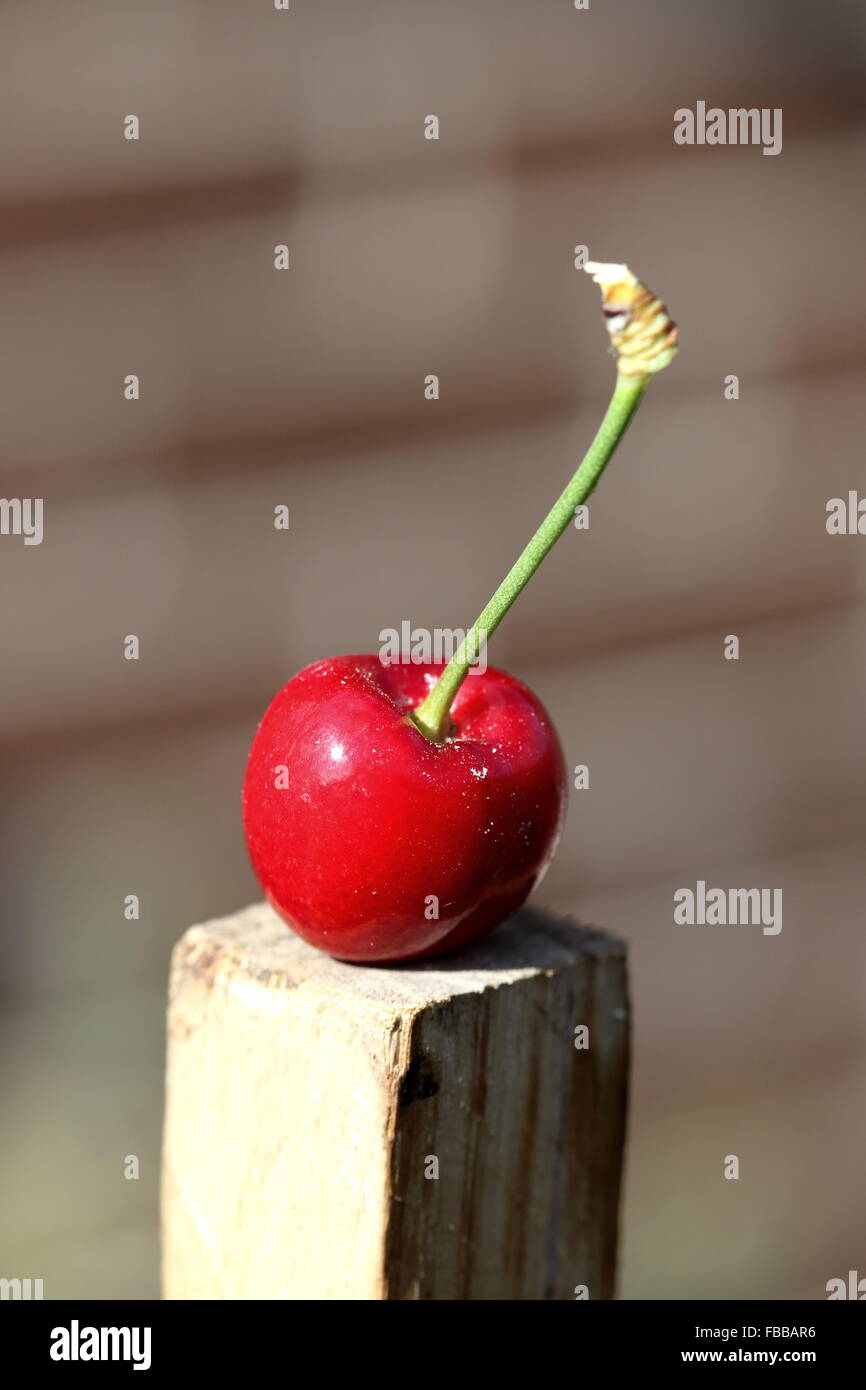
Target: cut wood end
(256, 943)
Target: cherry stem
(433, 716)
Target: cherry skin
(360, 829)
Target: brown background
(306, 388)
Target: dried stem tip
(640, 328)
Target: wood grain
(307, 1098)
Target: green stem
(433, 715)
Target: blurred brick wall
(306, 388)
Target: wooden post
(430, 1131)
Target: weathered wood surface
(310, 1104)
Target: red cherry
(375, 835)
(360, 829)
